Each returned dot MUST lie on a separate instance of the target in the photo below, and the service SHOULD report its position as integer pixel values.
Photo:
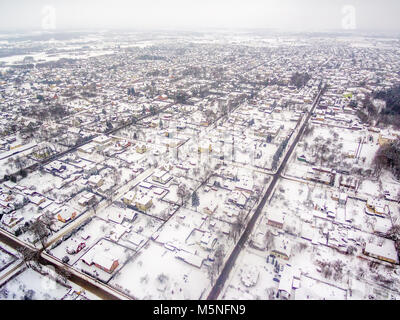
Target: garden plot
(355, 211)
(385, 185)
(172, 195)
(194, 232)
(42, 183)
(222, 229)
(8, 163)
(204, 244)
(263, 155)
(133, 240)
(392, 185)
(178, 228)
(297, 169)
(31, 285)
(335, 148)
(67, 192)
(252, 276)
(146, 225)
(370, 188)
(123, 176)
(156, 273)
(212, 200)
(7, 256)
(116, 163)
(255, 154)
(320, 261)
(161, 209)
(131, 156)
(161, 142)
(143, 133)
(296, 200)
(16, 219)
(312, 289)
(367, 151)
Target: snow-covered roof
(386, 249)
(104, 260)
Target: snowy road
(219, 284)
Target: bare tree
(63, 274)
(93, 204)
(215, 267)
(48, 220)
(394, 232)
(27, 255)
(338, 268)
(109, 195)
(211, 273)
(40, 230)
(238, 225)
(219, 257)
(182, 192)
(269, 239)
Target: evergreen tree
(195, 200)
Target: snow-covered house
(282, 248)
(96, 181)
(105, 262)
(66, 214)
(384, 250)
(276, 219)
(144, 203)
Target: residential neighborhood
(199, 166)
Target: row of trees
(278, 154)
(299, 80)
(389, 115)
(388, 157)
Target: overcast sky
(311, 15)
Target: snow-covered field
(30, 284)
(157, 274)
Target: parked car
(70, 251)
(81, 246)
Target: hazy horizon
(287, 15)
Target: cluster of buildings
(148, 162)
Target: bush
(23, 173)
